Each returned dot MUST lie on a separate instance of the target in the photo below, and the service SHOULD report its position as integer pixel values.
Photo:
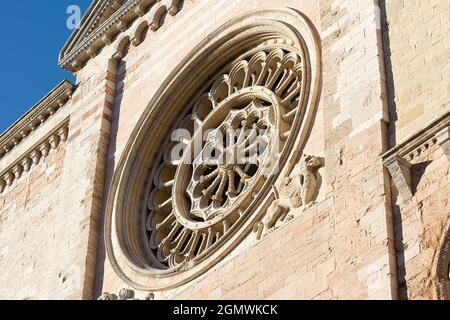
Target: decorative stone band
(34, 156)
(36, 116)
(73, 59)
(398, 159)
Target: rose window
(237, 132)
(225, 127)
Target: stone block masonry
(376, 230)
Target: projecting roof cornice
(35, 117)
(103, 21)
(399, 159)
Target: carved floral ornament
(248, 94)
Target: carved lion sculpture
(295, 191)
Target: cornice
(398, 159)
(413, 145)
(34, 155)
(35, 117)
(73, 59)
(90, 20)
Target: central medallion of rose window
(229, 161)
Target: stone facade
(378, 226)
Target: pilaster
(84, 171)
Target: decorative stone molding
(443, 139)
(83, 45)
(35, 117)
(33, 156)
(398, 159)
(184, 216)
(400, 171)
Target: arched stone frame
(160, 10)
(122, 48)
(140, 33)
(228, 42)
(442, 266)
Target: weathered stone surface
(359, 240)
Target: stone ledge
(398, 159)
(35, 117)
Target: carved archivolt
(251, 86)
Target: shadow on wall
(390, 86)
(417, 172)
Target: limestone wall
(343, 246)
(30, 224)
(420, 224)
(418, 59)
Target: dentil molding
(35, 117)
(398, 159)
(35, 154)
(77, 52)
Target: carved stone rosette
(170, 219)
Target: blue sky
(33, 32)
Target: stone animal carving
(108, 296)
(124, 294)
(295, 191)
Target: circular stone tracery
(169, 220)
(249, 113)
(230, 159)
